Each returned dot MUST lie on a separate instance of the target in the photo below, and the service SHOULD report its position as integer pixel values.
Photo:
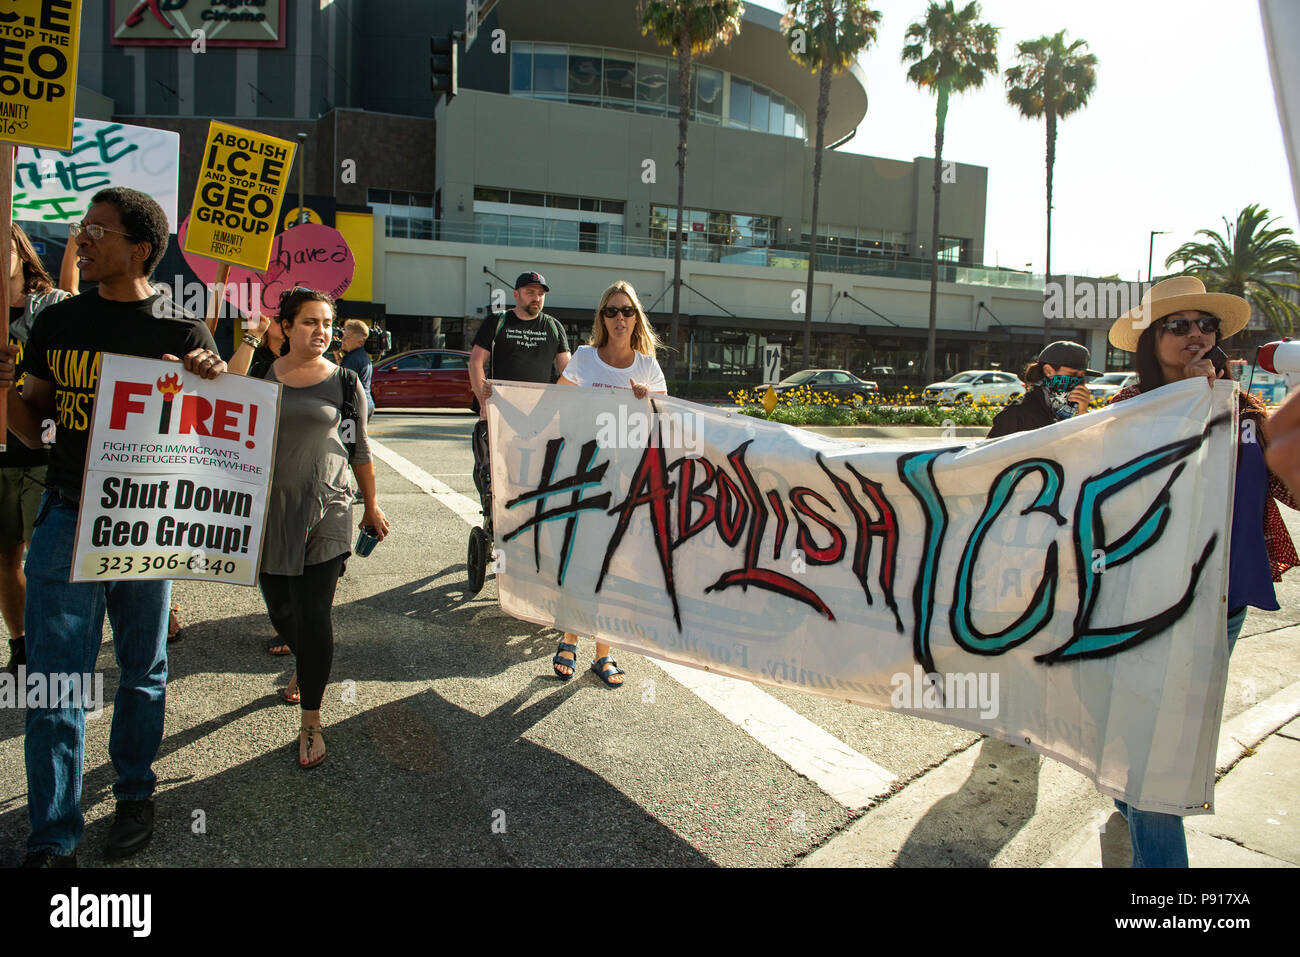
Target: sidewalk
(993, 804)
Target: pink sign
(308, 255)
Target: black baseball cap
(1069, 354)
(531, 279)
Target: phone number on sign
(118, 565)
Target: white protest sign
(1062, 589)
(55, 187)
(177, 473)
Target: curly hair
(143, 220)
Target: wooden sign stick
(218, 294)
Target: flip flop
(278, 642)
(310, 764)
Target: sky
(1181, 131)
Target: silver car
(989, 384)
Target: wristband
(251, 340)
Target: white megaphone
(1281, 358)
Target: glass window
(563, 202)
(674, 93)
(492, 228)
(708, 95)
(620, 79)
(611, 206)
(776, 114)
(522, 198)
(521, 68)
(651, 84)
(527, 231)
(562, 234)
(791, 119)
(584, 76)
(417, 362)
(739, 102)
(379, 196)
(588, 204)
(760, 100)
(452, 360)
(420, 228)
(550, 71)
(489, 194)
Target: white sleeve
(576, 371)
(655, 381)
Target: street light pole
(1151, 247)
(302, 162)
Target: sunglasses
(94, 231)
(609, 312)
(1181, 327)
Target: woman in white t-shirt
(619, 355)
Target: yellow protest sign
(238, 195)
(38, 71)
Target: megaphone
(1281, 358)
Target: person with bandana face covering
(1057, 391)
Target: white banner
(177, 473)
(54, 187)
(1063, 589)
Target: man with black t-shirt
(119, 242)
(521, 345)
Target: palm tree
(1247, 264)
(832, 34)
(962, 50)
(691, 29)
(1052, 80)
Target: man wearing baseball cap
(1056, 391)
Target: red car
(429, 378)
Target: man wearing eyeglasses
(119, 242)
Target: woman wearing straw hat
(1175, 334)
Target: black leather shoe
(131, 829)
(48, 859)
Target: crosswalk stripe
(851, 778)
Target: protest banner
(1062, 589)
(237, 196)
(53, 186)
(39, 40)
(308, 254)
(177, 473)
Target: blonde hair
(644, 339)
(357, 328)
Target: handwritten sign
(238, 195)
(39, 40)
(308, 254)
(54, 186)
(177, 473)
(1061, 589)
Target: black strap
(350, 383)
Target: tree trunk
(683, 116)
(941, 116)
(1047, 269)
(823, 108)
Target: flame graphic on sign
(169, 385)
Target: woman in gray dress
(308, 517)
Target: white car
(988, 384)
(1104, 387)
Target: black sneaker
(131, 829)
(17, 655)
(48, 859)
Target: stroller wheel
(477, 557)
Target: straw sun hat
(1174, 295)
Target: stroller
(479, 553)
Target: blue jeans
(1158, 839)
(65, 622)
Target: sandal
(570, 663)
(311, 732)
(291, 697)
(173, 625)
(599, 665)
(278, 642)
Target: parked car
(988, 384)
(428, 378)
(835, 382)
(1105, 386)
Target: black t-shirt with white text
(66, 347)
(525, 349)
(17, 455)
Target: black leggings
(299, 607)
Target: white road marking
(846, 775)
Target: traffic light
(443, 65)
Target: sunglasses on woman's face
(609, 312)
(1181, 327)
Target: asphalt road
(452, 743)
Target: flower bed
(803, 407)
